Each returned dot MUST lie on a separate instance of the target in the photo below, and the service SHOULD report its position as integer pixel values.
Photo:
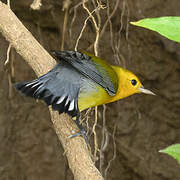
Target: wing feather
(91, 67)
(56, 89)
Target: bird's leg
(81, 132)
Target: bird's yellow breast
(92, 95)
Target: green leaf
(173, 150)
(167, 26)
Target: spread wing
(59, 88)
(92, 67)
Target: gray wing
(91, 68)
(59, 88)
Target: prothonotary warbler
(80, 81)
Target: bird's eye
(133, 82)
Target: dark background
(29, 148)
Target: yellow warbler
(80, 81)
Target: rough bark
(34, 54)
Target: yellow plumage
(100, 96)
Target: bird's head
(129, 83)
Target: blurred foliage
(173, 150)
(168, 27)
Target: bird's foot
(82, 133)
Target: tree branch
(41, 62)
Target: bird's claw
(80, 133)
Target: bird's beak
(146, 91)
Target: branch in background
(41, 62)
(9, 66)
(66, 4)
(36, 5)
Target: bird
(79, 81)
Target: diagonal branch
(41, 62)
